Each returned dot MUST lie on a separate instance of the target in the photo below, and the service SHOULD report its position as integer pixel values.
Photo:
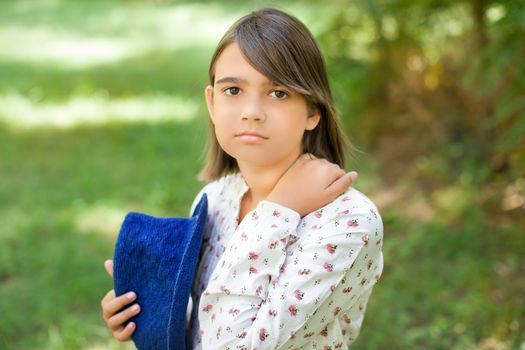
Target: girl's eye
(281, 95)
(232, 91)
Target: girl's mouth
(251, 136)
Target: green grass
(63, 197)
(454, 281)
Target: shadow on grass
(183, 71)
(63, 195)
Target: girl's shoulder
(354, 199)
(351, 208)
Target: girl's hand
(310, 183)
(111, 305)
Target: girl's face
(256, 120)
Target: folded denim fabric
(156, 258)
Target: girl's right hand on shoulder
(114, 313)
(310, 183)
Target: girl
(291, 252)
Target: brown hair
(281, 47)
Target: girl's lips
(251, 136)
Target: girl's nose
(253, 110)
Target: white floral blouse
(276, 281)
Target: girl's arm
(260, 297)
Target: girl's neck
(261, 179)
(260, 184)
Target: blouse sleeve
(259, 297)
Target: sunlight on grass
(111, 346)
(62, 47)
(119, 32)
(100, 219)
(88, 45)
(21, 112)
(56, 340)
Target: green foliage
(441, 76)
(436, 90)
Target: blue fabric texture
(157, 258)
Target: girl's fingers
(108, 264)
(116, 321)
(111, 307)
(342, 184)
(353, 175)
(107, 298)
(332, 173)
(124, 333)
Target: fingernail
(131, 295)
(135, 307)
(131, 325)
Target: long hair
(280, 47)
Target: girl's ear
(313, 120)
(208, 94)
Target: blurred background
(102, 112)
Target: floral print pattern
(278, 281)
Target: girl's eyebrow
(230, 80)
(241, 81)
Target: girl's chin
(263, 161)
(261, 156)
(255, 159)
